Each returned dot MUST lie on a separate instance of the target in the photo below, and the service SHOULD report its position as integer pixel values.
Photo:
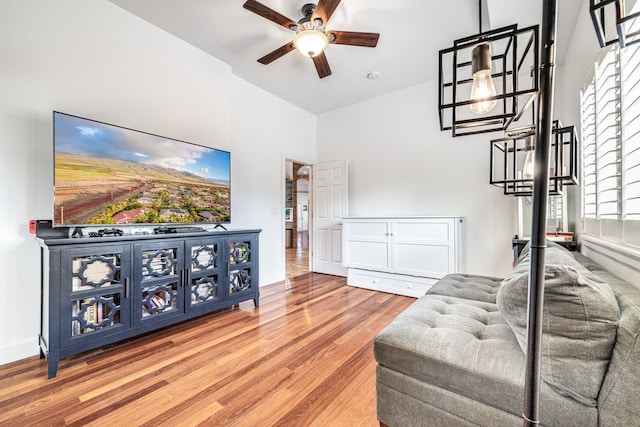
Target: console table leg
(53, 359)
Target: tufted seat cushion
(466, 347)
(467, 286)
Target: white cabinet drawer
(394, 283)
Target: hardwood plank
(303, 358)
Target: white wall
(265, 131)
(400, 163)
(93, 59)
(582, 53)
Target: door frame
(283, 203)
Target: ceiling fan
(311, 36)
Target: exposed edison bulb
(528, 167)
(483, 86)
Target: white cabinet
(403, 255)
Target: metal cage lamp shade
(512, 160)
(488, 80)
(604, 13)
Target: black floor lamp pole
(539, 215)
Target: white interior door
(330, 205)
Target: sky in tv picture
(75, 135)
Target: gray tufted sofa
(455, 357)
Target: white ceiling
(411, 34)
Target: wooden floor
(304, 358)
(297, 258)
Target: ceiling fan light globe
(310, 42)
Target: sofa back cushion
(619, 398)
(579, 325)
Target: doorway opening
(297, 218)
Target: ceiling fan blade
(281, 51)
(354, 38)
(322, 65)
(268, 13)
(325, 9)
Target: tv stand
(220, 226)
(98, 292)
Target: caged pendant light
(512, 160)
(605, 13)
(488, 80)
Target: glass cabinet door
(158, 283)
(241, 267)
(202, 261)
(95, 284)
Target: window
(630, 77)
(555, 214)
(610, 122)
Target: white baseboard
(18, 350)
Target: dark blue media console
(99, 291)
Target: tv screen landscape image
(107, 174)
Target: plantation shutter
(588, 119)
(610, 122)
(630, 85)
(608, 141)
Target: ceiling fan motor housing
(307, 12)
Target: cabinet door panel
(242, 274)
(158, 281)
(422, 231)
(95, 313)
(424, 247)
(369, 255)
(367, 244)
(203, 260)
(159, 298)
(94, 283)
(422, 260)
(368, 230)
(158, 262)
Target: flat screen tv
(106, 174)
